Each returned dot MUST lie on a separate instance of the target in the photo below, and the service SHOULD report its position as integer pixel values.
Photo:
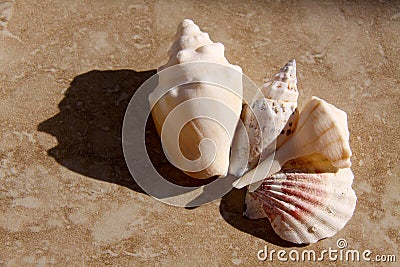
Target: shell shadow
(231, 209)
(88, 129)
(89, 124)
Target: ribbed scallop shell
(304, 207)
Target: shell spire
(189, 35)
(283, 85)
(192, 45)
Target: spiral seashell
(197, 119)
(268, 122)
(304, 207)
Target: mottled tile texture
(68, 70)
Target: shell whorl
(192, 45)
(283, 85)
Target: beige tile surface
(67, 72)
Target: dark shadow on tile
(89, 124)
(231, 209)
(88, 129)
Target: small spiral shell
(268, 121)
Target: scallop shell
(194, 46)
(304, 207)
(268, 122)
(322, 128)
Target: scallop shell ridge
(304, 207)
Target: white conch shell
(304, 207)
(322, 128)
(194, 46)
(268, 123)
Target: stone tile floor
(67, 72)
